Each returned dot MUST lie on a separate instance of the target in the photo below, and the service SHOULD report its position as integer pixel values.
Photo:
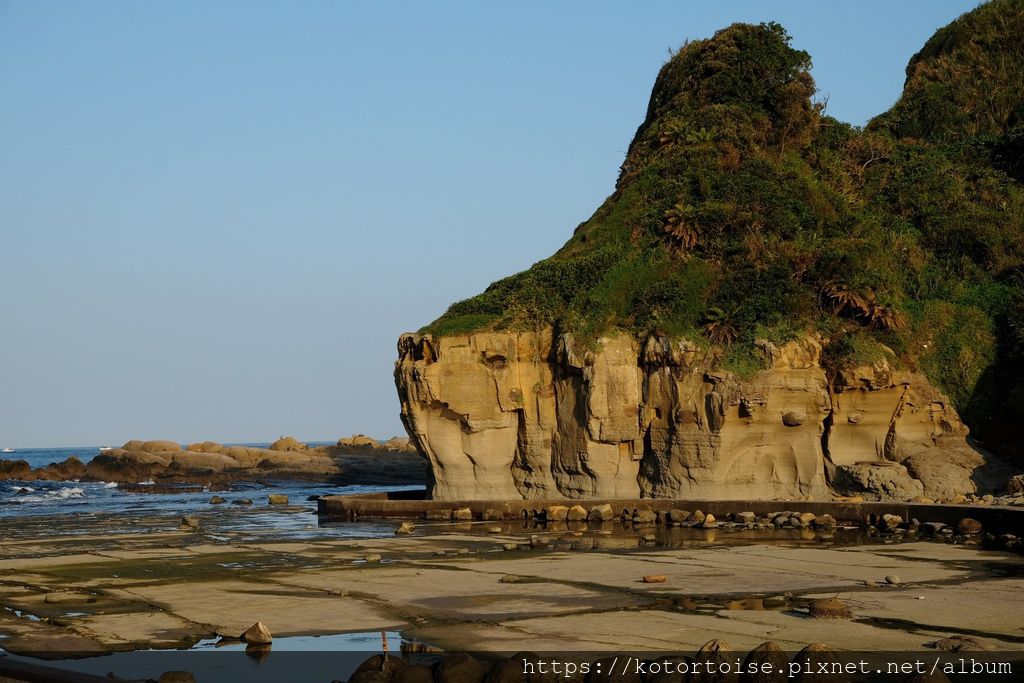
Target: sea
(37, 498)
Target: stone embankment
(535, 415)
(1002, 525)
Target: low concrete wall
(993, 518)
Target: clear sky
(217, 217)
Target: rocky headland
(353, 460)
(771, 304)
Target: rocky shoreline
(353, 460)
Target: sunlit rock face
(534, 415)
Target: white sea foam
(110, 485)
(54, 495)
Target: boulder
(884, 480)
(556, 513)
(793, 419)
(815, 656)
(677, 516)
(744, 518)
(824, 522)
(1016, 484)
(601, 513)
(288, 444)
(258, 634)
(968, 526)
(277, 499)
(189, 522)
(217, 500)
(766, 663)
(645, 517)
(462, 514)
(15, 469)
(378, 669)
(577, 513)
(405, 528)
(459, 668)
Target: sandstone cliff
(504, 414)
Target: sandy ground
(80, 589)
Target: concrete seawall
(404, 505)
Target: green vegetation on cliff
(743, 211)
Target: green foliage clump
(966, 80)
(742, 212)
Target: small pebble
(892, 580)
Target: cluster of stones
(646, 517)
(888, 525)
(717, 662)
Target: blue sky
(217, 217)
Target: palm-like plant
(702, 136)
(673, 132)
(680, 228)
(844, 296)
(718, 327)
(884, 316)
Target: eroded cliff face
(506, 415)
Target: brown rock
(829, 608)
(378, 669)
(718, 652)
(793, 419)
(459, 668)
(601, 513)
(677, 516)
(770, 654)
(288, 444)
(655, 578)
(812, 658)
(258, 634)
(556, 513)
(176, 677)
(968, 526)
(577, 513)
(277, 499)
(960, 644)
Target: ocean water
(36, 498)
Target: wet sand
(106, 583)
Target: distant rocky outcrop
(529, 415)
(360, 443)
(392, 462)
(137, 460)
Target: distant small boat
(7, 450)
(103, 449)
